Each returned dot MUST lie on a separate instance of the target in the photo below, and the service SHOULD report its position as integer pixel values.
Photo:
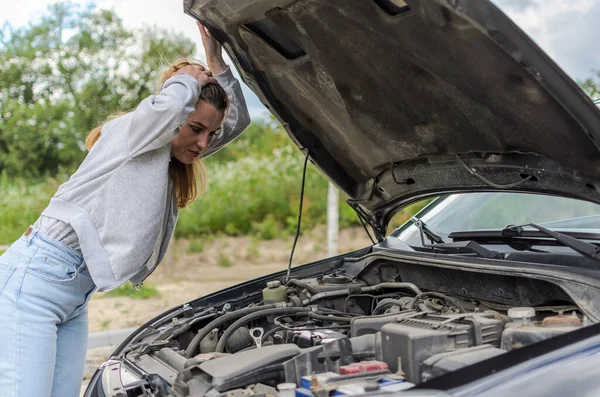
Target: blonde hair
(189, 180)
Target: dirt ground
(223, 261)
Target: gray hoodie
(120, 200)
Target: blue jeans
(44, 292)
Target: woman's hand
(203, 76)
(213, 50)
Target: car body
(397, 102)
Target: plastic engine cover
(411, 341)
(443, 363)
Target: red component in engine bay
(364, 366)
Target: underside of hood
(398, 100)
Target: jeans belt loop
(30, 234)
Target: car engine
(332, 334)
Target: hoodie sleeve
(238, 118)
(154, 123)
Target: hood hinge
(370, 220)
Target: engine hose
(181, 330)
(271, 332)
(323, 317)
(498, 316)
(437, 295)
(202, 333)
(312, 290)
(254, 316)
(371, 288)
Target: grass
(147, 291)
(252, 251)
(224, 260)
(195, 246)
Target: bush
(21, 203)
(268, 229)
(196, 246)
(146, 291)
(406, 213)
(252, 252)
(260, 194)
(224, 260)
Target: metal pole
(333, 224)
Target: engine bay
(343, 332)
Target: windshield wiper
(458, 247)
(583, 247)
(425, 230)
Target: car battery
(359, 386)
(322, 378)
(353, 379)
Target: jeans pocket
(51, 268)
(6, 271)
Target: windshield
(481, 211)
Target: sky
(566, 30)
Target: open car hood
(395, 101)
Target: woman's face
(195, 136)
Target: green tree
(592, 86)
(259, 140)
(64, 74)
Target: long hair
(189, 180)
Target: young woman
(111, 222)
